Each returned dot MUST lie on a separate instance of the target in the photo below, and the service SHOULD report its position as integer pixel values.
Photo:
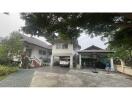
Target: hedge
(5, 70)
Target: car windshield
(64, 59)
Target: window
(61, 46)
(42, 52)
(58, 46)
(64, 46)
(49, 52)
(29, 52)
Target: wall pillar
(24, 49)
(51, 61)
(71, 62)
(112, 64)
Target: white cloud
(85, 41)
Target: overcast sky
(12, 22)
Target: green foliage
(47, 24)
(122, 38)
(5, 70)
(14, 43)
(70, 25)
(2, 77)
(121, 43)
(3, 55)
(121, 53)
(9, 47)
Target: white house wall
(35, 51)
(63, 52)
(58, 52)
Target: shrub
(5, 70)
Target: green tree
(121, 43)
(14, 43)
(9, 47)
(3, 54)
(70, 25)
(121, 52)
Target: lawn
(2, 77)
(6, 70)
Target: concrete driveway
(63, 77)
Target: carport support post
(112, 64)
(80, 62)
(71, 62)
(51, 63)
(24, 49)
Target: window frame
(58, 46)
(42, 52)
(64, 46)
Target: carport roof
(94, 49)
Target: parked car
(64, 62)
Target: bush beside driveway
(6, 70)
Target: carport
(60, 56)
(94, 56)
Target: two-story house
(63, 49)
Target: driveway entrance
(63, 77)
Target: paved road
(22, 78)
(63, 77)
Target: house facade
(38, 51)
(63, 49)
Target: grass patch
(6, 70)
(2, 77)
